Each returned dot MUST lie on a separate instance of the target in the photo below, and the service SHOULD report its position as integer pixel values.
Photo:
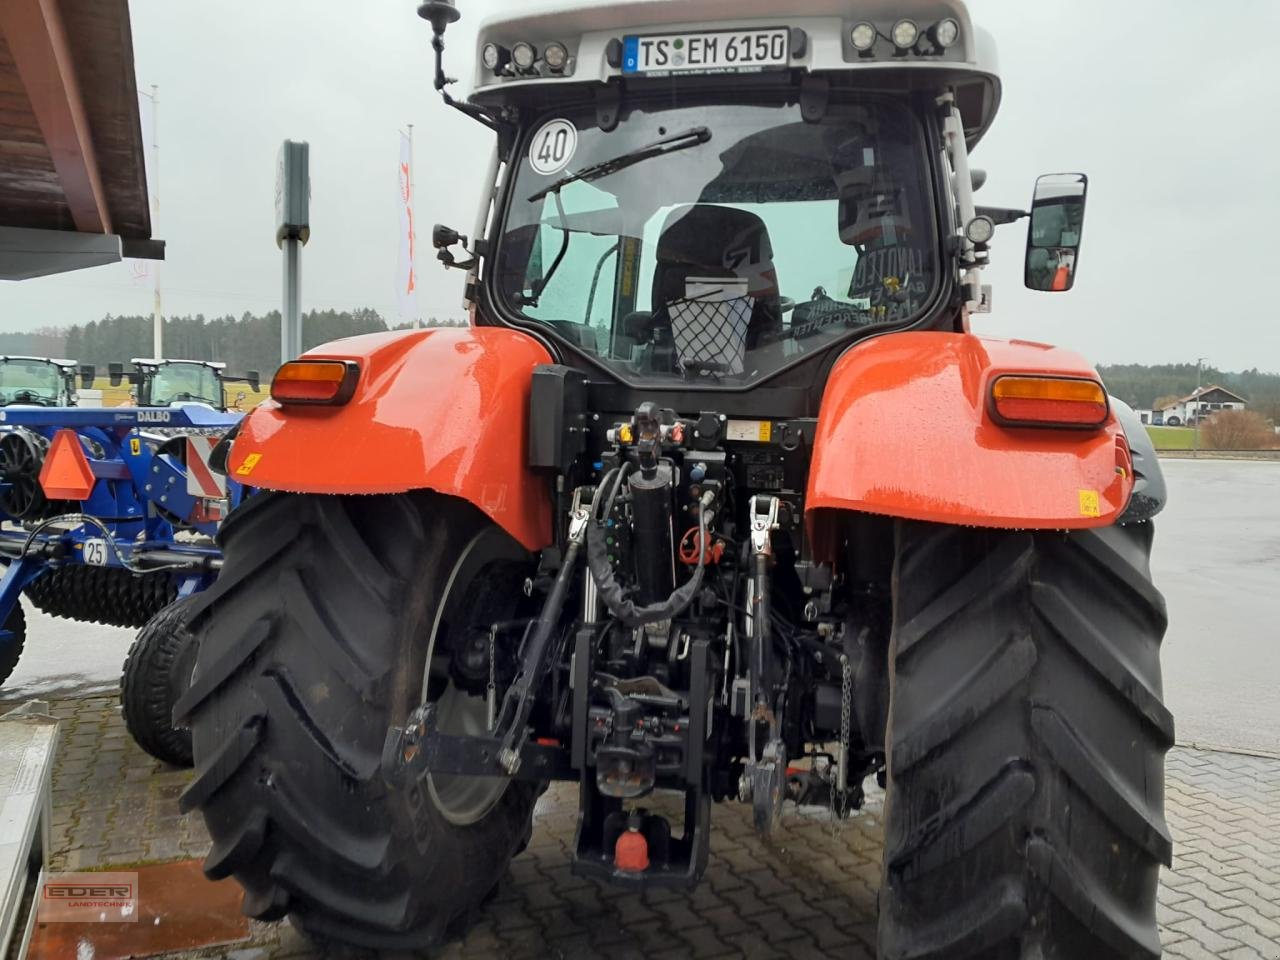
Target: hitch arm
(518, 703)
(418, 748)
(764, 777)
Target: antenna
(441, 13)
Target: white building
(1200, 404)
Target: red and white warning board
(201, 481)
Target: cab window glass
(758, 238)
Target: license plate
(95, 553)
(707, 51)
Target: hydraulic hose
(611, 592)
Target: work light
(944, 33)
(555, 56)
(523, 56)
(905, 34)
(495, 57)
(862, 36)
(980, 229)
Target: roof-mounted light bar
(522, 59)
(905, 36)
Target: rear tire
(312, 643)
(1024, 816)
(156, 674)
(11, 646)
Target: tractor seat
(709, 240)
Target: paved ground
(805, 895)
(1217, 559)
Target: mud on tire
(312, 642)
(1026, 746)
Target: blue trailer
(103, 516)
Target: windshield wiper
(183, 397)
(677, 141)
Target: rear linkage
(653, 684)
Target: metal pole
(1195, 428)
(413, 239)
(157, 316)
(291, 318)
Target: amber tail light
(1029, 401)
(329, 382)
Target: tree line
(1146, 386)
(252, 342)
(248, 342)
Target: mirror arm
(442, 82)
(1002, 214)
(447, 258)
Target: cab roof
(54, 360)
(157, 362)
(586, 30)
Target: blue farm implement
(104, 520)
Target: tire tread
(1026, 746)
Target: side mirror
(115, 373)
(442, 238)
(255, 380)
(1053, 239)
(87, 372)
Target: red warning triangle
(66, 474)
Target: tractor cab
(37, 381)
(163, 383)
(690, 200)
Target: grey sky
(1170, 112)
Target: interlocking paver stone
(803, 894)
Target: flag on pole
(406, 276)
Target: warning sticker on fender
(250, 462)
(753, 431)
(1089, 504)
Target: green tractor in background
(38, 381)
(162, 383)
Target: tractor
(38, 381)
(717, 500)
(162, 383)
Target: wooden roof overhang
(73, 190)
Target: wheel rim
(463, 800)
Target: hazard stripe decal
(201, 481)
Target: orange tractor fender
(905, 430)
(444, 409)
